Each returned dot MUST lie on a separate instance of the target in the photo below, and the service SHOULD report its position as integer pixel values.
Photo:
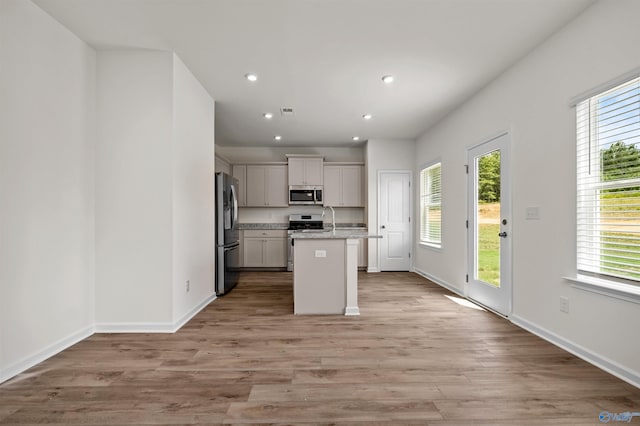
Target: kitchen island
(325, 271)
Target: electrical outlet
(564, 304)
(187, 286)
(321, 253)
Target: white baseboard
(438, 281)
(59, 346)
(153, 327)
(134, 327)
(351, 311)
(611, 367)
(372, 269)
(193, 312)
(603, 363)
(48, 352)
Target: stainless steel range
(301, 223)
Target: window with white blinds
(608, 174)
(431, 205)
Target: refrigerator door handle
(234, 206)
(231, 247)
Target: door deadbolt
(502, 235)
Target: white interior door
(489, 278)
(394, 220)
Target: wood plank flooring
(412, 357)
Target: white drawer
(265, 233)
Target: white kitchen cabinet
(266, 186)
(253, 249)
(275, 252)
(305, 171)
(343, 186)
(240, 173)
(265, 249)
(332, 195)
(352, 191)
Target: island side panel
(319, 285)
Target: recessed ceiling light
(367, 116)
(267, 115)
(388, 79)
(251, 77)
(356, 138)
(278, 137)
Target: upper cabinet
(240, 173)
(305, 171)
(343, 186)
(266, 186)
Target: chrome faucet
(333, 217)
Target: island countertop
(330, 234)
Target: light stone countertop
(242, 226)
(338, 234)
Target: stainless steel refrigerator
(227, 235)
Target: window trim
(421, 242)
(608, 85)
(606, 287)
(602, 284)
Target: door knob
(502, 235)
(383, 227)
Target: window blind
(430, 204)
(608, 183)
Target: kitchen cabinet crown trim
(343, 163)
(304, 156)
(260, 163)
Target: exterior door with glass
(489, 225)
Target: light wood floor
(412, 357)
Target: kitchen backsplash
(281, 215)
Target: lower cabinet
(264, 248)
(268, 249)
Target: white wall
(46, 180)
(193, 191)
(154, 192)
(107, 189)
(531, 100)
(383, 155)
(134, 188)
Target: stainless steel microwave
(305, 195)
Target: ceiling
(326, 58)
